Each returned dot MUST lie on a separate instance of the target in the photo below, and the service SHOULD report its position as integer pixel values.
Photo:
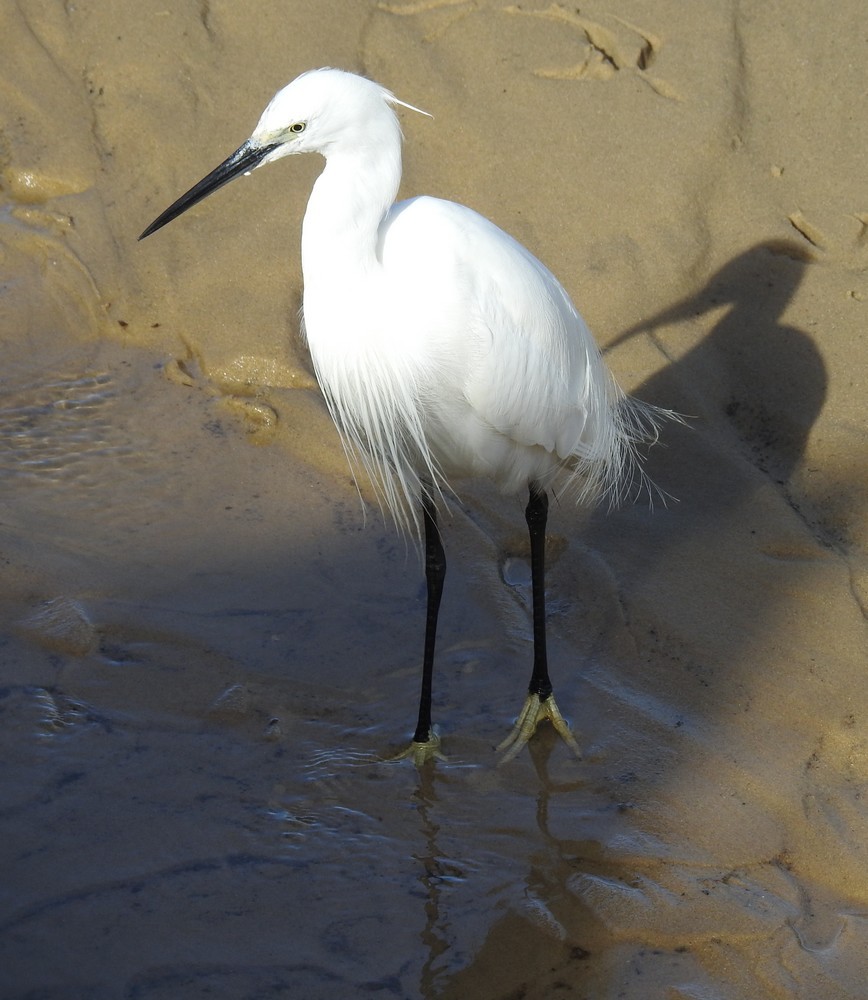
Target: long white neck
(361, 370)
(349, 201)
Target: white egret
(443, 348)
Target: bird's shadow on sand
(752, 389)
(753, 377)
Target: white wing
(503, 331)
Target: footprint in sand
(624, 48)
(607, 51)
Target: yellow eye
(297, 127)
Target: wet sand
(209, 641)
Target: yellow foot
(422, 752)
(532, 714)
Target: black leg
(435, 572)
(535, 515)
(540, 703)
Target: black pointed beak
(242, 161)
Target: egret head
(323, 108)
(318, 112)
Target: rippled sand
(209, 643)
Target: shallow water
(199, 686)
